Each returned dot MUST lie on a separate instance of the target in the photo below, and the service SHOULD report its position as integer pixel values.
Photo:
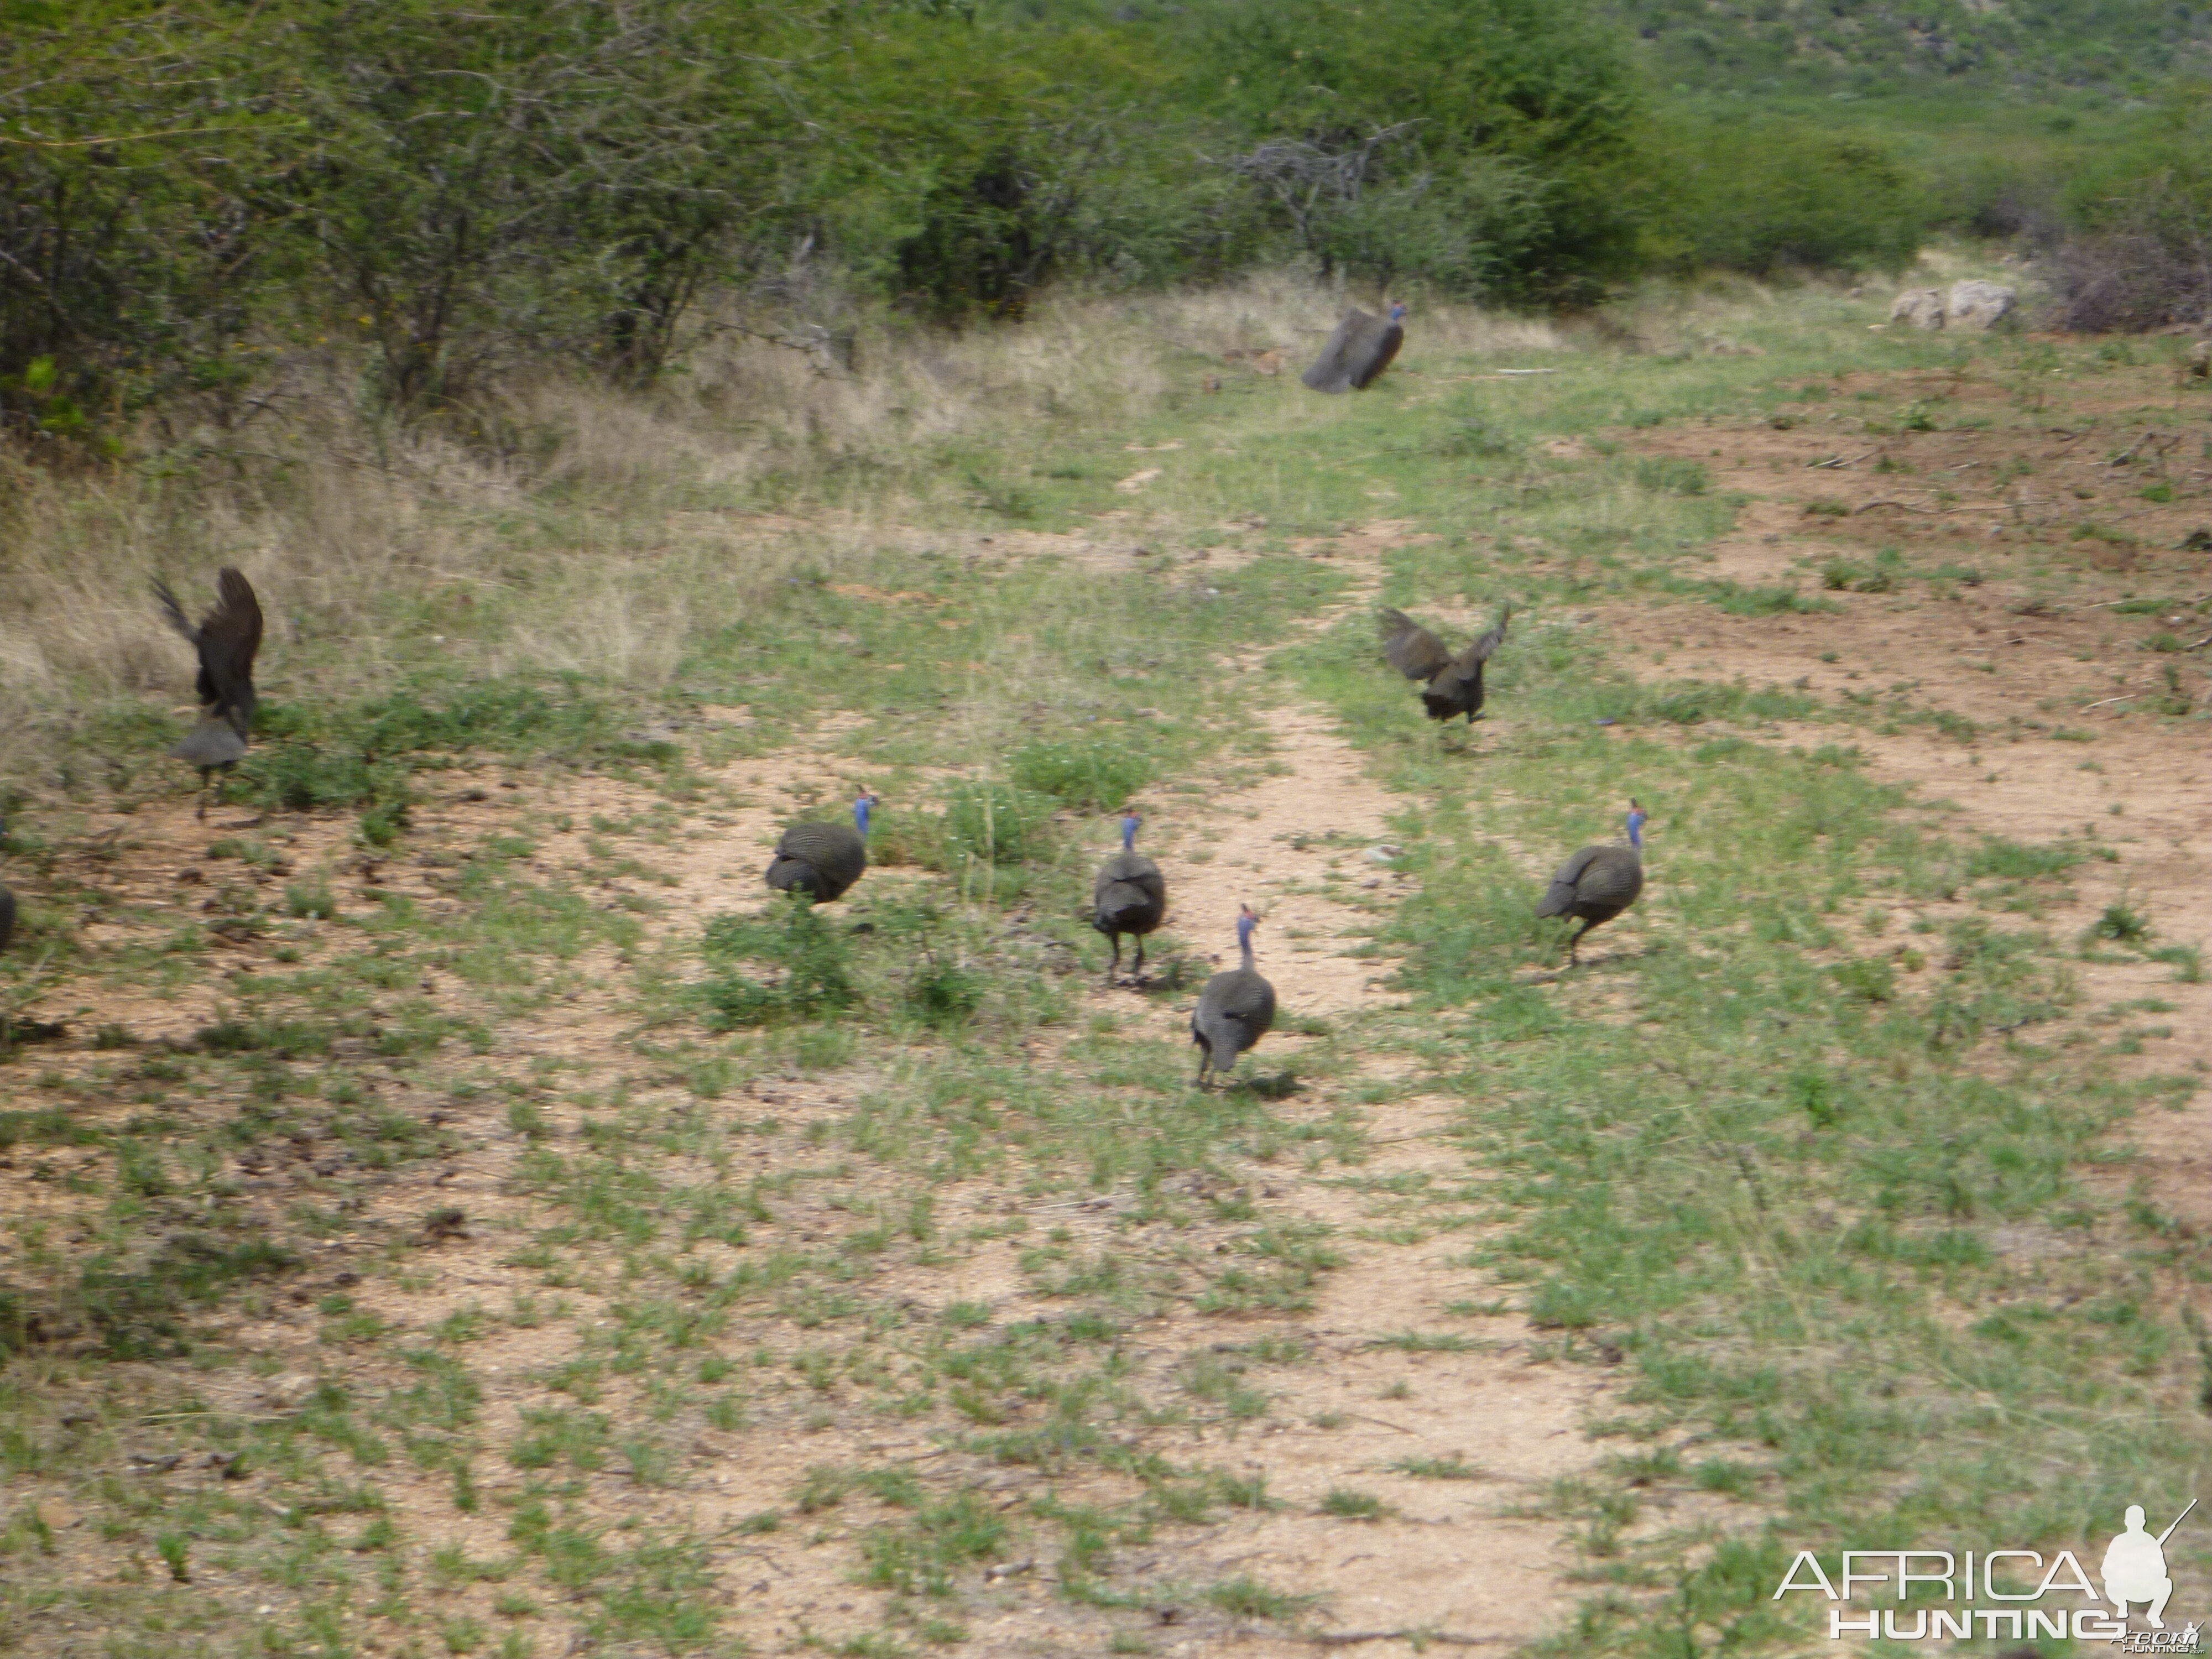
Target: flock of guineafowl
(822, 861)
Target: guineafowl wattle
(1359, 351)
(1128, 897)
(823, 860)
(1457, 687)
(1409, 648)
(1598, 883)
(227, 639)
(1235, 1009)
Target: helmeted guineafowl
(1409, 648)
(1598, 883)
(1235, 1009)
(1128, 897)
(1457, 687)
(823, 860)
(227, 639)
(1359, 351)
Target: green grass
(879, 1195)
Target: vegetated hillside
(1879, 46)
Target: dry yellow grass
(605, 528)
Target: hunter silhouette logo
(2135, 1566)
(2004, 1593)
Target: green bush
(997, 822)
(1762, 195)
(808, 965)
(1099, 775)
(1479, 146)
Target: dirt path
(1475, 1556)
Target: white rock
(1923, 307)
(1976, 304)
(291, 1389)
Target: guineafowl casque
(1235, 1009)
(1128, 897)
(227, 639)
(1457, 687)
(1359, 351)
(823, 860)
(1598, 883)
(1409, 648)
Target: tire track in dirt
(1476, 1556)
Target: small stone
(289, 1391)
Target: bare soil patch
(2021, 632)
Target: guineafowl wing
(1560, 897)
(1235, 1010)
(822, 859)
(1409, 648)
(1611, 881)
(1484, 647)
(1130, 896)
(1379, 353)
(1259, 1014)
(229, 638)
(1349, 349)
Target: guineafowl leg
(1114, 968)
(1137, 968)
(205, 777)
(1574, 944)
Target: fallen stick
(2130, 697)
(1839, 460)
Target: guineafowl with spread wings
(227, 639)
(1457, 689)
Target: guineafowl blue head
(1129, 823)
(1397, 311)
(861, 808)
(1247, 919)
(1635, 826)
